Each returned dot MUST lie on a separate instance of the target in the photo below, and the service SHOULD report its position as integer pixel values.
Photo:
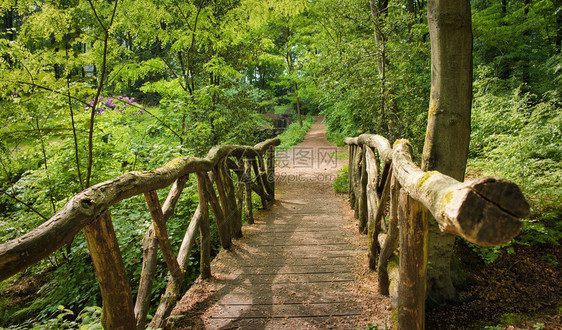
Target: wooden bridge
(300, 264)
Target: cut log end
(490, 211)
(503, 193)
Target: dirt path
(302, 265)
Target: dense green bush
(518, 136)
(341, 184)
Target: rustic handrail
(89, 210)
(484, 211)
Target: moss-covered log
(485, 211)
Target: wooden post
(350, 169)
(248, 191)
(264, 177)
(363, 210)
(205, 230)
(373, 198)
(374, 247)
(226, 196)
(357, 180)
(271, 170)
(259, 184)
(224, 230)
(236, 214)
(150, 255)
(391, 241)
(172, 293)
(118, 311)
(151, 198)
(413, 263)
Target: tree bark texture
(448, 129)
(150, 255)
(173, 289)
(363, 209)
(413, 263)
(204, 228)
(391, 242)
(118, 310)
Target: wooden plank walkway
(302, 265)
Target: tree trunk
(298, 103)
(448, 128)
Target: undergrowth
(294, 134)
(518, 136)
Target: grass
(294, 134)
(341, 183)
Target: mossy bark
(448, 130)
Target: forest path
(302, 265)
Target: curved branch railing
(89, 211)
(484, 211)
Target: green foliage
(88, 319)
(518, 136)
(377, 326)
(341, 184)
(294, 133)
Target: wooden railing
(253, 169)
(485, 211)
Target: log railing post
(391, 241)
(259, 185)
(413, 263)
(248, 191)
(205, 230)
(374, 246)
(350, 169)
(150, 255)
(172, 293)
(363, 209)
(265, 177)
(151, 198)
(356, 180)
(223, 228)
(226, 196)
(271, 170)
(118, 311)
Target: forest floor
(521, 290)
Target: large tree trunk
(448, 128)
